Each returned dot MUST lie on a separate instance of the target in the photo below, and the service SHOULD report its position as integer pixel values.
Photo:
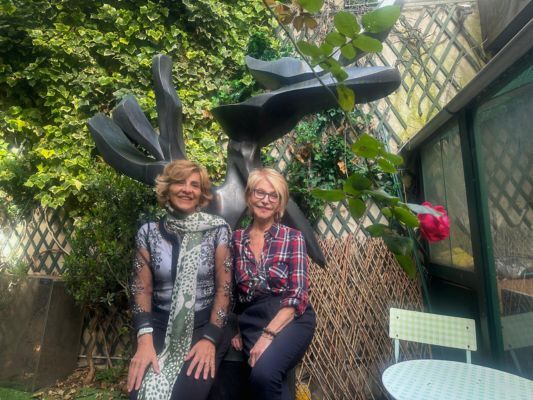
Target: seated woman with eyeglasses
(276, 321)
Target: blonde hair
(177, 171)
(276, 180)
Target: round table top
(439, 379)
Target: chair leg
(515, 361)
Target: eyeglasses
(261, 194)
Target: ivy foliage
(62, 61)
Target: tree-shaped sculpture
(250, 125)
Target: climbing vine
(62, 61)
(375, 167)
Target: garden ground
(108, 385)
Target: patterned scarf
(181, 320)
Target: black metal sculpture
(250, 125)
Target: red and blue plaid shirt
(282, 270)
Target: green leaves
(326, 48)
(309, 49)
(346, 97)
(349, 189)
(346, 39)
(374, 161)
(399, 244)
(386, 166)
(368, 44)
(393, 158)
(381, 195)
(328, 195)
(346, 24)
(357, 207)
(359, 181)
(312, 6)
(377, 230)
(367, 146)
(406, 217)
(348, 52)
(60, 69)
(407, 263)
(381, 19)
(335, 39)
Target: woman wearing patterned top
(181, 291)
(276, 321)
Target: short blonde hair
(177, 171)
(276, 180)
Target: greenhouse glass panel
(503, 128)
(444, 184)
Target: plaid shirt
(282, 269)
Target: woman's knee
(264, 377)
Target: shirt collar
(273, 231)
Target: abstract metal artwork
(250, 125)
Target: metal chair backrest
(441, 330)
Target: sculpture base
(40, 330)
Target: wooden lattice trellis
(113, 338)
(352, 297)
(40, 241)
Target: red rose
(434, 228)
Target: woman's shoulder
(147, 227)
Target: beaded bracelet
(270, 333)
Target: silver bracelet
(144, 331)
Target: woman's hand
(236, 342)
(259, 347)
(203, 359)
(144, 356)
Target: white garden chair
(440, 330)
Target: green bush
(97, 269)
